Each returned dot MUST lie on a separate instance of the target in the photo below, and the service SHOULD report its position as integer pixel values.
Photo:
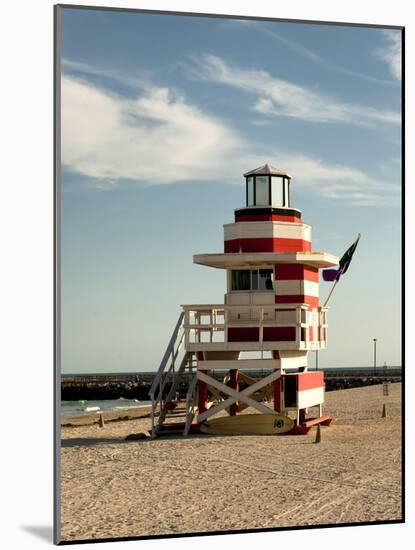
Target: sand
(117, 488)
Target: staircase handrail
(166, 356)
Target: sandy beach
(116, 488)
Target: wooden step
(306, 426)
(323, 420)
(176, 412)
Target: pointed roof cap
(265, 170)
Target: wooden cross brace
(260, 395)
(237, 395)
(216, 393)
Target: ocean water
(80, 408)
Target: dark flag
(335, 274)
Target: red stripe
(310, 380)
(312, 301)
(311, 274)
(279, 334)
(289, 272)
(243, 334)
(267, 245)
(270, 334)
(267, 218)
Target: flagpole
(325, 304)
(331, 292)
(342, 269)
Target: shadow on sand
(92, 441)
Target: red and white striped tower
(271, 307)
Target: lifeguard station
(251, 351)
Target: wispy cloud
(277, 97)
(307, 53)
(159, 137)
(140, 82)
(156, 137)
(392, 52)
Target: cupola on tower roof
(267, 169)
(267, 186)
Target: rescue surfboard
(248, 424)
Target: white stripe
(311, 288)
(295, 287)
(261, 230)
(292, 359)
(312, 320)
(309, 398)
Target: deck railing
(208, 324)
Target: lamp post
(374, 354)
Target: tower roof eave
(243, 260)
(267, 169)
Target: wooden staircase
(177, 366)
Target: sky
(161, 115)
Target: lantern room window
(277, 191)
(250, 199)
(268, 190)
(262, 190)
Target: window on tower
(241, 280)
(252, 279)
(265, 279)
